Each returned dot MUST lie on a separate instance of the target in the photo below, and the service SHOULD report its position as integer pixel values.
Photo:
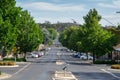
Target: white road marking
(110, 73)
(21, 69)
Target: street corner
(4, 76)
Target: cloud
(114, 4)
(53, 7)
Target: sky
(69, 10)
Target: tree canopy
(90, 37)
(18, 28)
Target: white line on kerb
(110, 73)
(21, 69)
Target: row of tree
(17, 28)
(49, 35)
(90, 37)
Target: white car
(84, 57)
(32, 55)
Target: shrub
(6, 63)
(104, 62)
(115, 66)
(0, 72)
(13, 59)
(1, 63)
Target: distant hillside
(58, 26)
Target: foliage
(100, 41)
(104, 62)
(29, 33)
(13, 59)
(0, 72)
(65, 36)
(47, 36)
(115, 66)
(116, 32)
(7, 63)
(90, 37)
(53, 33)
(18, 28)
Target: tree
(17, 28)
(97, 39)
(53, 33)
(7, 27)
(65, 36)
(30, 35)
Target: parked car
(40, 54)
(32, 55)
(76, 55)
(84, 57)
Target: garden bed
(7, 63)
(115, 66)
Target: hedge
(13, 59)
(115, 66)
(7, 63)
(104, 62)
(0, 72)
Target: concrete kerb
(10, 66)
(4, 76)
(60, 62)
(64, 75)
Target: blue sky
(66, 10)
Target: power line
(108, 21)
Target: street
(43, 68)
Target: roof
(117, 47)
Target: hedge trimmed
(115, 66)
(0, 72)
(13, 59)
(104, 62)
(7, 63)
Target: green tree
(53, 33)
(30, 35)
(98, 41)
(17, 28)
(65, 36)
(7, 27)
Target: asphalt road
(43, 68)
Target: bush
(115, 66)
(7, 63)
(104, 62)
(0, 72)
(13, 59)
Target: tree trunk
(93, 57)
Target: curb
(60, 75)
(4, 76)
(10, 66)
